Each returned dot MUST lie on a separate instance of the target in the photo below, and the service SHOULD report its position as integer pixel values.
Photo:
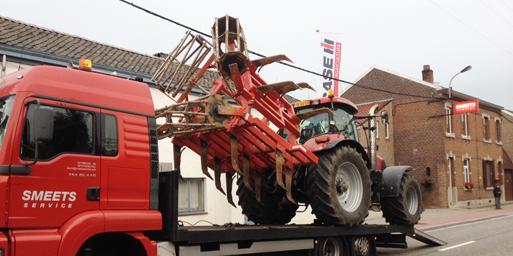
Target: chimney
(427, 74)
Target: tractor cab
(328, 115)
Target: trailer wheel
(405, 209)
(331, 246)
(339, 187)
(274, 209)
(363, 246)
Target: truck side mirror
(384, 116)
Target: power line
(497, 14)
(283, 63)
(484, 36)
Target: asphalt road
(487, 237)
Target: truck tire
(331, 246)
(273, 210)
(406, 207)
(339, 187)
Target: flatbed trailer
(238, 239)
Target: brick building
(456, 157)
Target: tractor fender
(392, 180)
(351, 143)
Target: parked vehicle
(79, 171)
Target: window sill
(192, 213)
(498, 142)
(450, 135)
(487, 141)
(466, 137)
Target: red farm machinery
(282, 154)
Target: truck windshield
(5, 111)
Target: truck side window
(59, 130)
(109, 135)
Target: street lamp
(467, 68)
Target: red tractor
(345, 183)
(313, 157)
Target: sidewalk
(434, 218)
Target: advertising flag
(331, 49)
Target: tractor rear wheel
(274, 208)
(406, 207)
(339, 187)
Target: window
(109, 135)
(5, 111)
(448, 120)
(488, 174)
(466, 171)
(191, 196)
(498, 130)
(464, 125)
(58, 130)
(486, 127)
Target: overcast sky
(398, 35)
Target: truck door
(55, 172)
(125, 161)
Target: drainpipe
(4, 66)
(372, 136)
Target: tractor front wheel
(339, 187)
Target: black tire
(324, 188)
(405, 209)
(273, 210)
(331, 246)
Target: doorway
(508, 184)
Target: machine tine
(304, 85)
(258, 186)
(246, 175)
(204, 158)
(268, 60)
(229, 183)
(279, 169)
(280, 88)
(217, 175)
(288, 184)
(177, 156)
(234, 150)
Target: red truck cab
(78, 162)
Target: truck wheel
(331, 246)
(273, 210)
(339, 187)
(405, 209)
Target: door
(508, 185)
(57, 141)
(125, 161)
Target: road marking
(456, 246)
